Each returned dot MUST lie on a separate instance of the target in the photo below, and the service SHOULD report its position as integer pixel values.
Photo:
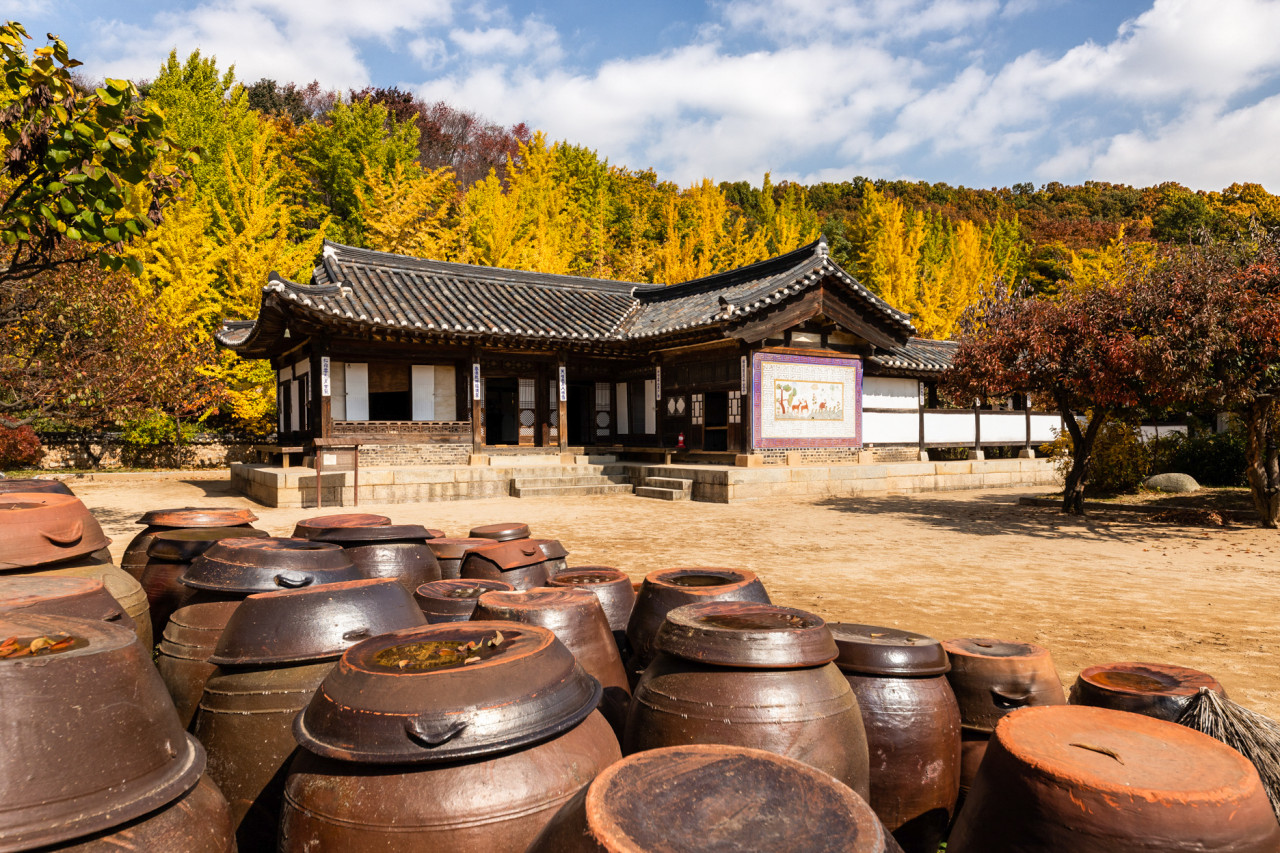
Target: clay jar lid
(872, 650)
(33, 484)
(455, 600)
(446, 548)
(1155, 689)
(697, 583)
(500, 532)
(383, 533)
(410, 697)
(183, 545)
(269, 565)
(91, 736)
(984, 647)
(313, 624)
(82, 598)
(715, 797)
(1092, 780)
(198, 517)
(43, 527)
(309, 527)
(746, 634)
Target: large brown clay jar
(134, 560)
(396, 551)
(308, 528)
(437, 754)
(271, 657)
(1093, 780)
(123, 588)
(182, 657)
(913, 729)
(1157, 690)
(666, 589)
(718, 798)
(577, 619)
(992, 678)
(83, 598)
(450, 553)
(197, 822)
(523, 563)
(454, 600)
(613, 588)
(752, 675)
(168, 556)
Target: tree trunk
(1263, 461)
(1081, 456)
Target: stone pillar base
(976, 455)
(1027, 453)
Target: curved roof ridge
(765, 269)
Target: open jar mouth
(467, 592)
(1137, 682)
(439, 655)
(701, 579)
(583, 579)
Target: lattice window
(735, 407)
(697, 408)
(553, 414)
(528, 404)
(604, 415)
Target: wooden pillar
(977, 430)
(921, 398)
(476, 391)
(561, 402)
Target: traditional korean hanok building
(427, 363)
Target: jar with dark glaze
(82, 598)
(168, 556)
(397, 551)
(197, 822)
(611, 586)
(666, 589)
(234, 568)
(454, 600)
(520, 562)
(134, 560)
(1159, 690)
(451, 552)
(509, 736)
(671, 799)
(1093, 780)
(127, 592)
(990, 679)
(577, 619)
(753, 675)
(913, 728)
(505, 531)
(91, 738)
(182, 657)
(275, 650)
(309, 527)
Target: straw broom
(1249, 733)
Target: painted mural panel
(806, 401)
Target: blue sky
(967, 92)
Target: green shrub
(1214, 459)
(19, 448)
(1121, 461)
(155, 428)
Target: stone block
(477, 459)
(748, 460)
(953, 467)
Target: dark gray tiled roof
(376, 290)
(917, 355)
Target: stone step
(571, 491)
(602, 459)
(661, 494)
(673, 483)
(580, 480)
(516, 460)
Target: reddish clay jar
(913, 729)
(578, 621)
(686, 798)
(509, 737)
(82, 598)
(611, 586)
(33, 484)
(168, 556)
(752, 675)
(1093, 780)
(183, 654)
(450, 553)
(520, 562)
(502, 532)
(666, 589)
(1157, 690)
(397, 551)
(39, 528)
(309, 527)
(134, 560)
(91, 739)
(454, 600)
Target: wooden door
(528, 411)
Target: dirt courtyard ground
(959, 564)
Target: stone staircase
(666, 489)
(595, 477)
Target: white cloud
(534, 40)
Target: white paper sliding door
(357, 392)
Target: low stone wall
(110, 453)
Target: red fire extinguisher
(680, 441)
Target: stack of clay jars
(460, 736)
(523, 563)
(753, 675)
(94, 757)
(222, 577)
(577, 619)
(913, 729)
(51, 534)
(169, 554)
(1093, 780)
(397, 551)
(134, 560)
(1158, 690)
(990, 679)
(714, 797)
(271, 657)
